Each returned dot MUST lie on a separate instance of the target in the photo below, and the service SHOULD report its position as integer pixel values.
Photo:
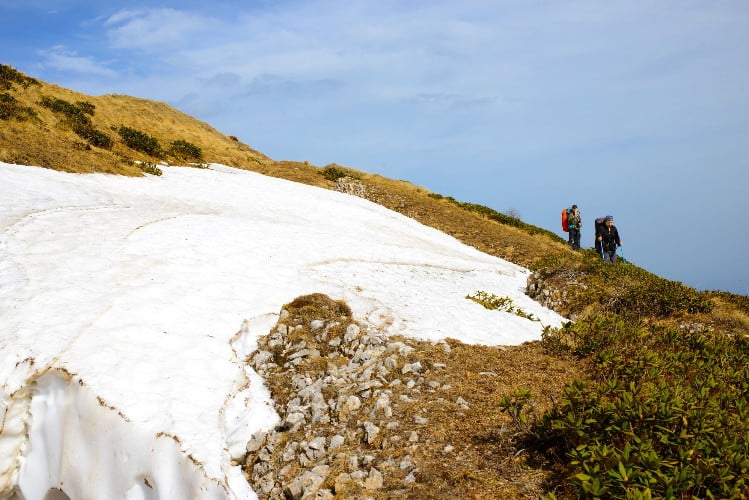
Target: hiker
(574, 223)
(609, 239)
(599, 224)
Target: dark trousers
(574, 238)
(599, 247)
(609, 255)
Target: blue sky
(635, 109)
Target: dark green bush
(73, 112)
(494, 302)
(666, 416)
(185, 150)
(639, 292)
(92, 135)
(621, 288)
(333, 172)
(75, 117)
(139, 141)
(9, 76)
(86, 107)
(149, 168)
(11, 109)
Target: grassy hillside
(649, 386)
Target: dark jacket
(609, 238)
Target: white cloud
(60, 58)
(156, 29)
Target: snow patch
(137, 287)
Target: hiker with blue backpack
(608, 237)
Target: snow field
(128, 306)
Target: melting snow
(127, 307)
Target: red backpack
(565, 228)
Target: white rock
(375, 480)
(370, 432)
(336, 441)
(256, 441)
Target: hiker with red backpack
(574, 223)
(608, 237)
(571, 223)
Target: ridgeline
(643, 396)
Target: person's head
(609, 221)
(574, 208)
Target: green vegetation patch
(140, 141)
(10, 75)
(334, 172)
(76, 116)
(11, 109)
(621, 288)
(667, 415)
(185, 151)
(493, 302)
(149, 168)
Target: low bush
(75, 117)
(333, 172)
(86, 107)
(623, 288)
(11, 109)
(149, 168)
(10, 75)
(185, 150)
(140, 141)
(94, 136)
(73, 112)
(740, 301)
(666, 416)
(494, 302)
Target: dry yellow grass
(47, 143)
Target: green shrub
(493, 302)
(149, 168)
(185, 150)
(86, 107)
(621, 288)
(92, 135)
(666, 415)
(71, 111)
(333, 172)
(11, 109)
(9, 76)
(740, 301)
(139, 141)
(640, 292)
(75, 117)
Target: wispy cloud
(155, 29)
(63, 59)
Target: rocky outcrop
(556, 293)
(345, 396)
(375, 194)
